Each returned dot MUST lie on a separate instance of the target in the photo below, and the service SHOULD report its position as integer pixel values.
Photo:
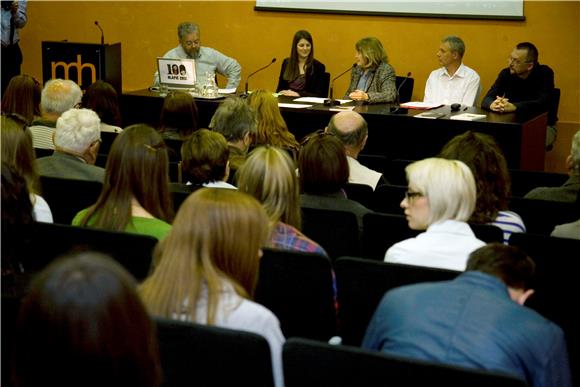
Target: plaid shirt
(286, 237)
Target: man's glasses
(410, 195)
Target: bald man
(352, 130)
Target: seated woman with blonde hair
(135, 196)
(440, 200)
(271, 129)
(269, 175)
(207, 268)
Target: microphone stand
(102, 33)
(331, 101)
(245, 94)
(398, 107)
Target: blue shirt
(20, 19)
(470, 322)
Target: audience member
(179, 116)
(569, 191)
(76, 140)
(483, 156)
(441, 198)
(567, 230)
(82, 323)
(22, 96)
(208, 267)
(17, 152)
(16, 212)
(236, 121)
(323, 171)
(301, 74)
(475, 321)
(269, 175)
(352, 130)
(453, 82)
(205, 162)
(58, 96)
(207, 60)
(102, 98)
(271, 128)
(524, 86)
(373, 78)
(14, 18)
(135, 196)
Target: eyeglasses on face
(410, 195)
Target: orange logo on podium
(79, 66)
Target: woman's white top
(40, 210)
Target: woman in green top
(135, 196)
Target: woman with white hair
(440, 199)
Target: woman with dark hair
(271, 129)
(483, 156)
(135, 195)
(102, 98)
(17, 152)
(208, 268)
(22, 96)
(179, 116)
(82, 324)
(301, 74)
(373, 78)
(323, 170)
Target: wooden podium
(83, 63)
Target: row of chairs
(298, 287)
(522, 181)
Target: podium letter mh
(79, 65)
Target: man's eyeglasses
(410, 195)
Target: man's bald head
(350, 128)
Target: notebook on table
(177, 74)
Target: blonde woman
(208, 267)
(373, 78)
(441, 198)
(269, 175)
(272, 129)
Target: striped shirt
(509, 222)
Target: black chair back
(381, 231)
(361, 193)
(541, 216)
(43, 242)
(556, 292)
(298, 289)
(387, 199)
(361, 285)
(378, 163)
(336, 231)
(311, 364)
(194, 354)
(525, 181)
(405, 92)
(66, 197)
(395, 172)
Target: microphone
(258, 70)
(396, 108)
(331, 101)
(102, 33)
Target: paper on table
(420, 105)
(318, 100)
(341, 108)
(468, 117)
(227, 91)
(294, 105)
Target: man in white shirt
(207, 60)
(454, 82)
(352, 130)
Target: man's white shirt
(462, 87)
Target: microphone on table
(102, 33)
(258, 70)
(331, 101)
(397, 101)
